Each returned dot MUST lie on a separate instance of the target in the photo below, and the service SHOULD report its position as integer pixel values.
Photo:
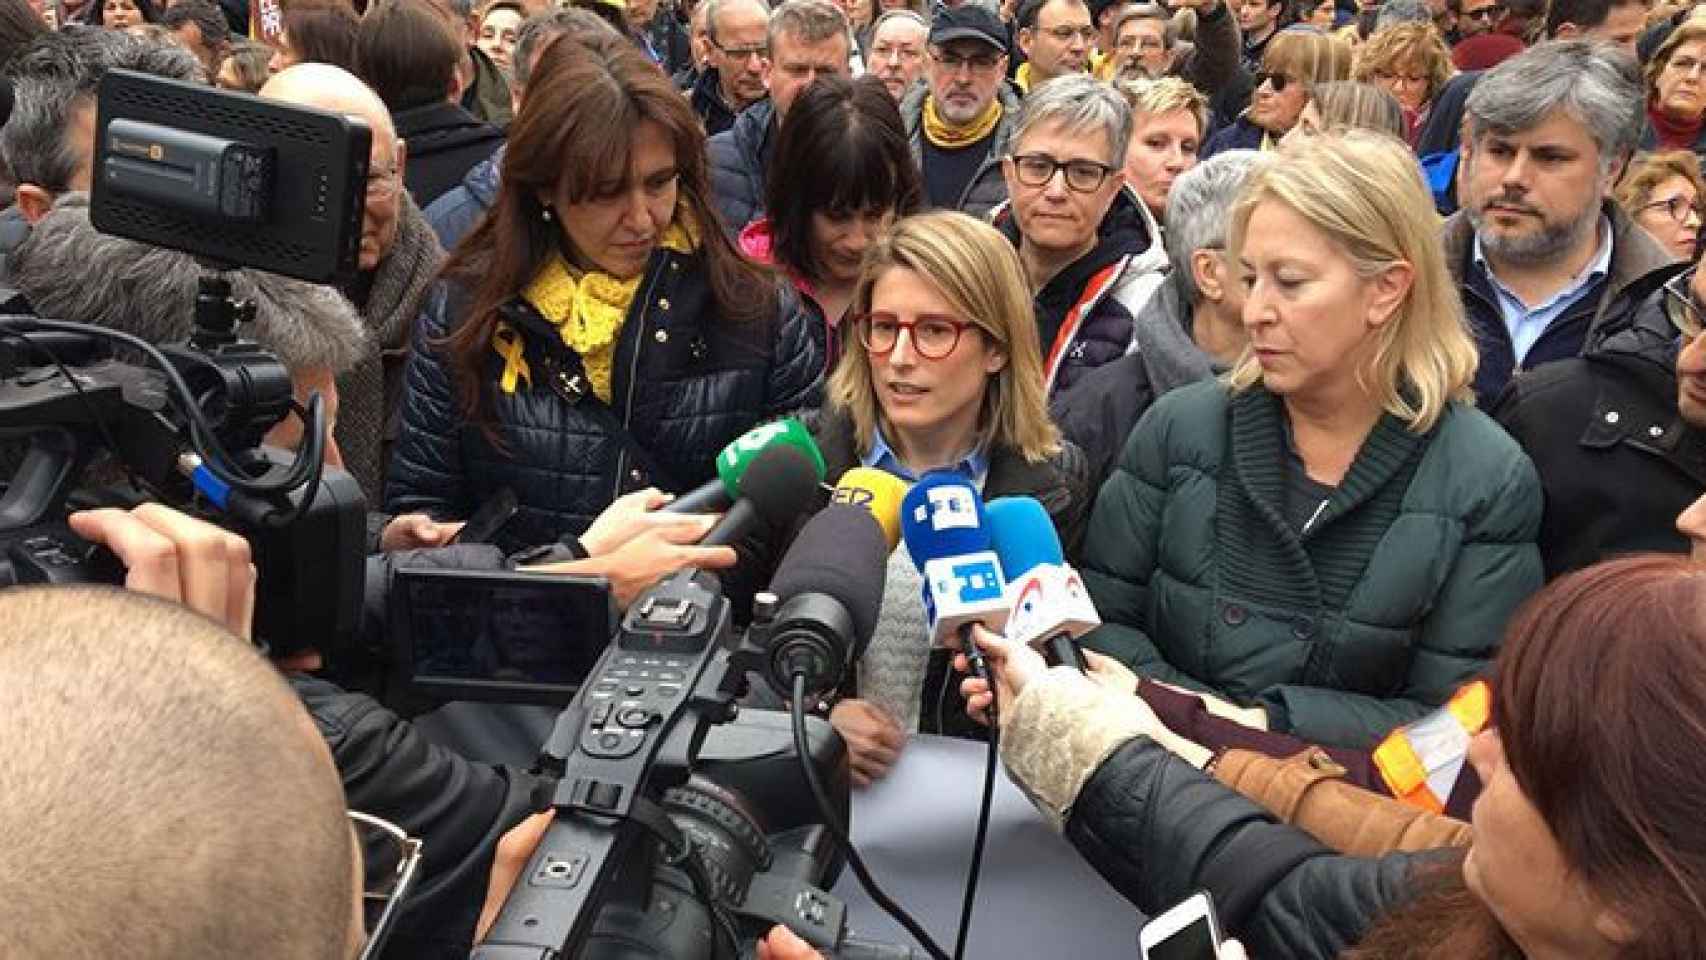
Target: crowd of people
(1353, 349)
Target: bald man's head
(165, 793)
(327, 87)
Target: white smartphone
(1187, 931)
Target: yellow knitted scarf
(588, 310)
(942, 136)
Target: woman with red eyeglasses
(940, 367)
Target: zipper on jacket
(634, 369)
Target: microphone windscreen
(942, 516)
(840, 553)
(875, 490)
(781, 483)
(1023, 535)
(735, 459)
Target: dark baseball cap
(968, 21)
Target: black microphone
(781, 484)
(829, 587)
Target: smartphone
(1187, 931)
(489, 519)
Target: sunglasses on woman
(1274, 79)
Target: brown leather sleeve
(1307, 792)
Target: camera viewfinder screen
(544, 631)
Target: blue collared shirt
(974, 465)
(1525, 324)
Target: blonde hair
(1152, 98)
(1365, 192)
(977, 271)
(1308, 55)
(1401, 44)
(1649, 170)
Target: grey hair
(1595, 84)
(1080, 104)
(540, 27)
(1198, 209)
(809, 22)
(1151, 11)
(1403, 11)
(60, 72)
(903, 13)
(714, 7)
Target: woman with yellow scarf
(597, 333)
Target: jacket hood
(150, 292)
(439, 127)
(1161, 338)
(1648, 343)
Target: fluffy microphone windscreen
(1023, 534)
(878, 491)
(840, 553)
(743, 451)
(942, 516)
(782, 483)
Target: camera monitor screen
(499, 635)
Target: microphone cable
(982, 828)
(802, 751)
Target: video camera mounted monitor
(229, 177)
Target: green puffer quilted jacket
(1397, 595)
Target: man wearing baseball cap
(959, 120)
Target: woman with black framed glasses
(940, 369)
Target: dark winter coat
(987, 189)
(1639, 265)
(1241, 134)
(455, 214)
(1393, 599)
(1084, 312)
(706, 98)
(1615, 460)
(739, 159)
(445, 142)
(685, 382)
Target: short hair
(1030, 10)
(19, 24)
(208, 18)
(1198, 208)
(1405, 43)
(902, 13)
(406, 54)
(842, 149)
(544, 27)
(1649, 170)
(809, 22)
(1395, 12)
(977, 271)
(150, 13)
(323, 33)
(714, 7)
(1590, 82)
(1149, 98)
(1079, 104)
(1364, 192)
(1347, 104)
(1585, 14)
(1689, 31)
(1150, 11)
(252, 62)
(1308, 55)
(114, 749)
(58, 73)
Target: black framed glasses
(1677, 208)
(390, 860)
(975, 62)
(1082, 176)
(934, 336)
(1274, 79)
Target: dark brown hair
(406, 54)
(584, 92)
(1600, 703)
(843, 149)
(321, 32)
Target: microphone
(876, 491)
(734, 460)
(943, 523)
(1048, 607)
(780, 484)
(830, 585)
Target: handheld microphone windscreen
(841, 553)
(735, 459)
(877, 491)
(1023, 535)
(782, 483)
(942, 516)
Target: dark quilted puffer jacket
(685, 382)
